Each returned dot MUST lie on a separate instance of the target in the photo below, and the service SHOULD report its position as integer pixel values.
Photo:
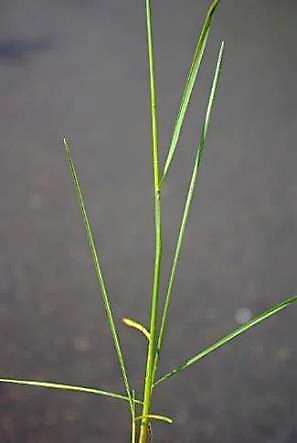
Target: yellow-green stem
(148, 384)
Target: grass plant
(141, 412)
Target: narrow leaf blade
(187, 205)
(98, 271)
(64, 387)
(229, 337)
(190, 82)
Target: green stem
(133, 423)
(148, 384)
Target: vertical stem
(133, 424)
(143, 437)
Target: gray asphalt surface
(78, 68)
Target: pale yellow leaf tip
(138, 326)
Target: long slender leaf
(99, 274)
(190, 82)
(187, 206)
(63, 387)
(227, 338)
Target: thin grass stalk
(187, 206)
(229, 337)
(144, 427)
(133, 422)
(99, 274)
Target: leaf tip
(138, 326)
(66, 145)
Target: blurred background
(79, 68)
